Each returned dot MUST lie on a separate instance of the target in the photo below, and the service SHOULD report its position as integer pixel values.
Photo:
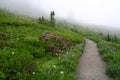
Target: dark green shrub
(6, 43)
(38, 52)
(113, 70)
(14, 62)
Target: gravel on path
(91, 66)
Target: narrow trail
(91, 66)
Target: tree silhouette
(52, 19)
(41, 20)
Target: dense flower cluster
(63, 43)
(47, 36)
(53, 48)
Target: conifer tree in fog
(52, 19)
(41, 20)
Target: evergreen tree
(108, 37)
(115, 38)
(52, 19)
(41, 20)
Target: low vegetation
(30, 50)
(110, 52)
(109, 49)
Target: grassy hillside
(33, 51)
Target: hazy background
(100, 12)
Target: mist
(97, 12)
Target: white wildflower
(54, 66)
(56, 54)
(66, 52)
(33, 73)
(13, 52)
(61, 72)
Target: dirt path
(91, 66)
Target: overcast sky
(101, 12)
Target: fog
(98, 12)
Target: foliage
(52, 19)
(27, 48)
(42, 20)
(50, 22)
(15, 63)
(112, 38)
(54, 43)
(109, 48)
(62, 68)
(111, 54)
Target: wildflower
(56, 54)
(53, 48)
(33, 73)
(113, 49)
(54, 66)
(66, 52)
(61, 72)
(13, 53)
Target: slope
(30, 50)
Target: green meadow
(32, 49)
